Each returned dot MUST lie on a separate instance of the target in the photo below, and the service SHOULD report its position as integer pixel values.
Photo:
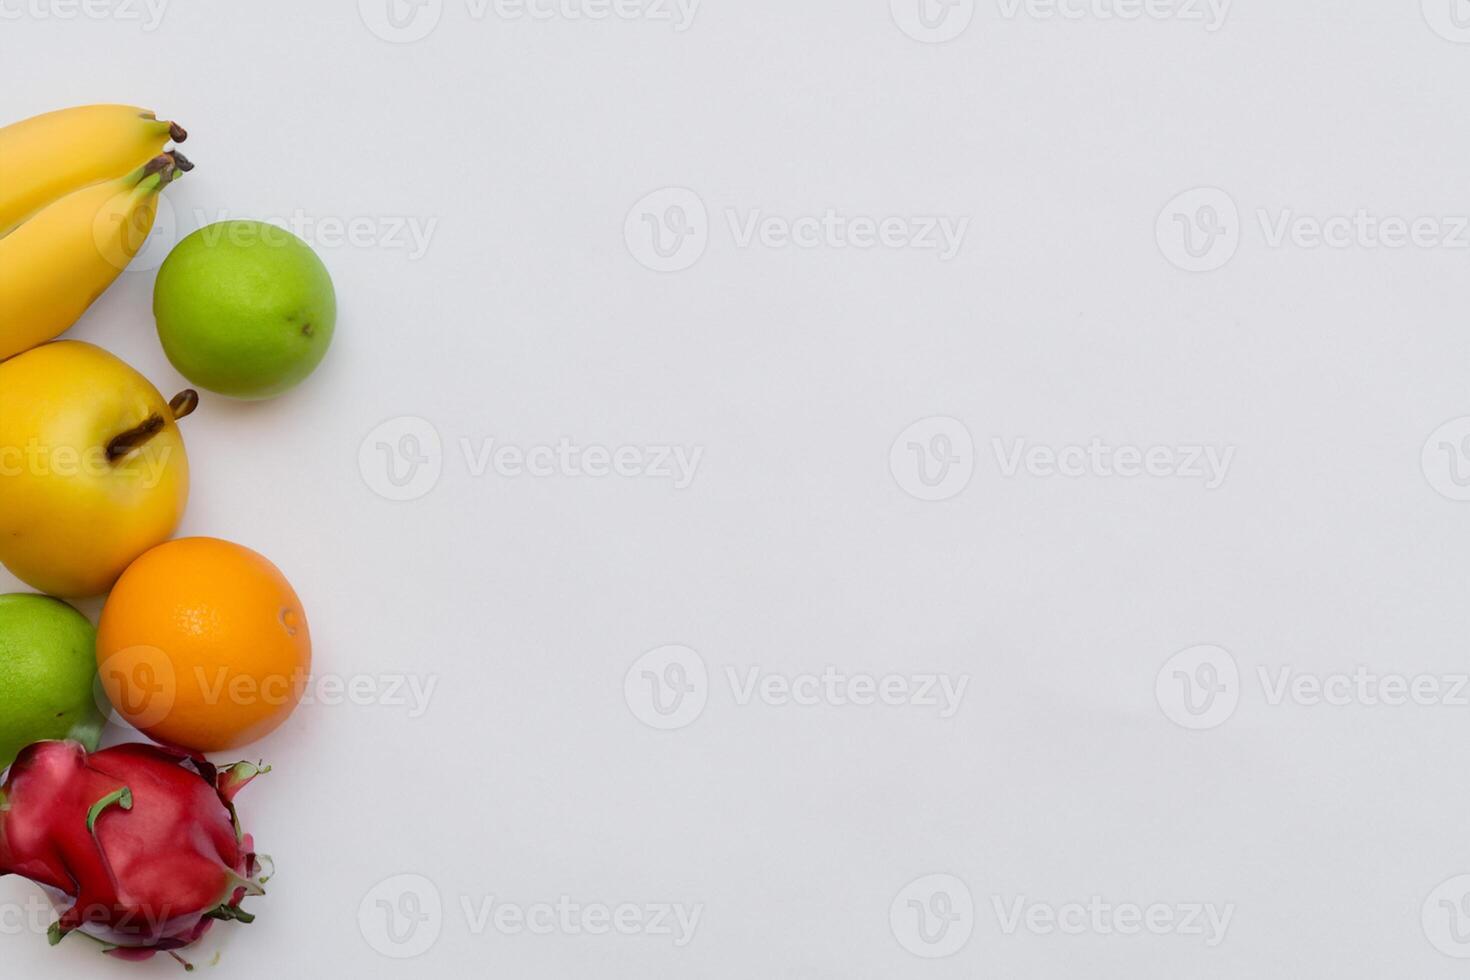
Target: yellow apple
(92, 467)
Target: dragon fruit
(137, 846)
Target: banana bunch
(78, 196)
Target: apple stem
(134, 437)
(182, 406)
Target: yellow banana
(55, 265)
(47, 157)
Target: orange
(203, 645)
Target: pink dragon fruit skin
(139, 847)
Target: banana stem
(176, 132)
(181, 406)
(163, 164)
(166, 167)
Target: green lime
(245, 309)
(48, 660)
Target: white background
(1332, 542)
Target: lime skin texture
(48, 665)
(244, 309)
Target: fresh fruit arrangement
(203, 645)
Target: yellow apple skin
(71, 519)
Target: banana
(47, 157)
(55, 265)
